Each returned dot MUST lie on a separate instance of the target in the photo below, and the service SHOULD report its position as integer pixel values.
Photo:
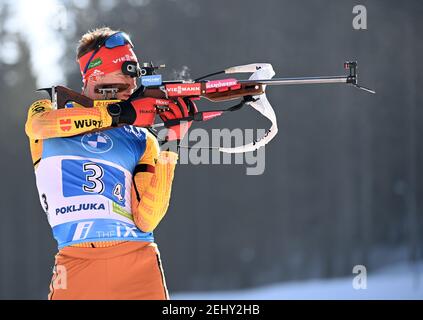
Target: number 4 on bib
(117, 192)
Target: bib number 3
(82, 177)
(94, 176)
(95, 173)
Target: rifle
(251, 91)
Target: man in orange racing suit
(102, 181)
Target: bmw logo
(97, 142)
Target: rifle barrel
(300, 80)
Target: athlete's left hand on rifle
(139, 112)
(176, 114)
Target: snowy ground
(402, 281)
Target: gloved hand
(138, 112)
(181, 108)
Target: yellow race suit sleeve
(152, 184)
(43, 122)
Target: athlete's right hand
(138, 112)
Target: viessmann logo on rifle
(188, 89)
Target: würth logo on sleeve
(86, 123)
(65, 124)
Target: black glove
(122, 112)
(139, 112)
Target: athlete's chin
(123, 96)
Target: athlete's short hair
(91, 39)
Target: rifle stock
(244, 90)
(65, 95)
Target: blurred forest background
(343, 179)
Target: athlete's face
(115, 77)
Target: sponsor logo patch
(221, 83)
(104, 103)
(80, 207)
(183, 89)
(95, 63)
(124, 58)
(37, 109)
(120, 210)
(65, 124)
(97, 142)
(154, 80)
(86, 123)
